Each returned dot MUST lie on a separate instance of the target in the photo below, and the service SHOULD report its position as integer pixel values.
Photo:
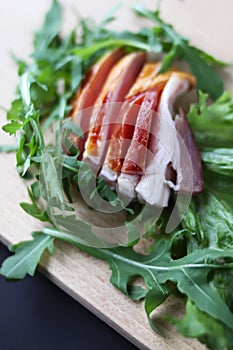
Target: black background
(36, 314)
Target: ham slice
(88, 93)
(150, 86)
(135, 159)
(108, 106)
(125, 124)
(132, 136)
(165, 149)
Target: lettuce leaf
(212, 124)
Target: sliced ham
(149, 87)
(125, 124)
(108, 106)
(135, 159)
(132, 136)
(88, 93)
(164, 147)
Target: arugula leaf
(86, 52)
(12, 127)
(34, 211)
(51, 185)
(82, 174)
(209, 59)
(27, 256)
(207, 79)
(72, 127)
(154, 298)
(93, 34)
(25, 83)
(15, 111)
(33, 208)
(74, 230)
(50, 29)
(200, 63)
(168, 60)
(190, 272)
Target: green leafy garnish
(178, 47)
(219, 160)
(197, 324)
(213, 123)
(195, 260)
(50, 29)
(189, 273)
(27, 256)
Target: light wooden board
(209, 24)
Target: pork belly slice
(125, 124)
(165, 150)
(108, 106)
(87, 94)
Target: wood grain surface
(209, 25)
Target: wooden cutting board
(209, 25)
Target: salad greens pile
(195, 261)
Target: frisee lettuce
(198, 324)
(196, 259)
(213, 123)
